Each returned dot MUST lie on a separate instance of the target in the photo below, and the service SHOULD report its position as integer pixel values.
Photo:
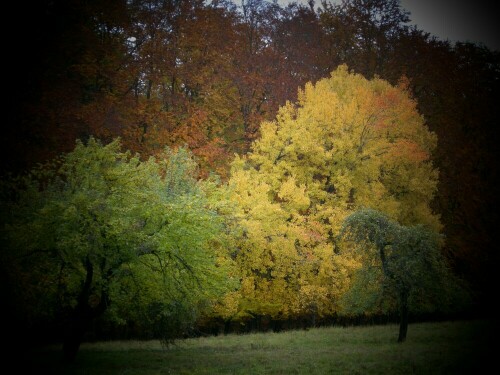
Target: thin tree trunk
(403, 325)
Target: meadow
(452, 347)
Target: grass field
(459, 347)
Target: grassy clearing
(459, 347)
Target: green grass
(458, 347)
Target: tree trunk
(74, 336)
(82, 316)
(403, 325)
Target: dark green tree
(404, 264)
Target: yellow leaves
(320, 103)
(348, 143)
(295, 197)
(285, 113)
(312, 297)
(248, 287)
(227, 306)
(253, 197)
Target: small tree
(101, 228)
(413, 268)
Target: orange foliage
(409, 150)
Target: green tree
(414, 272)
(100, 230)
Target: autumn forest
(172, 167)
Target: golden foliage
(348, 143)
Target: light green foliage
(102, 229)
(349, 142)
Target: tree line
(99, 236)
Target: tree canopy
(349, 142)
(100, 230)
(406, 265)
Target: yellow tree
(348, 143)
